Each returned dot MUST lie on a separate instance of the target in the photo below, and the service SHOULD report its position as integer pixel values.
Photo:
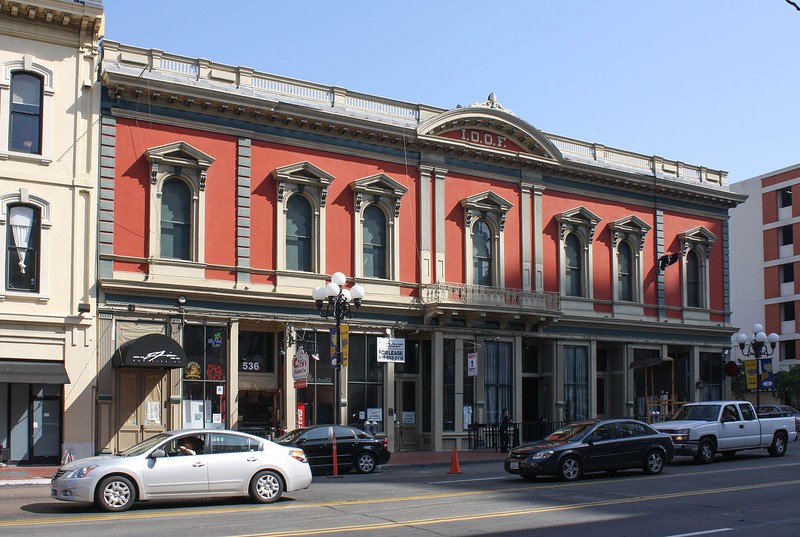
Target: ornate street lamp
(338, 303)
(756, 346)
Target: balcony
(482, 299)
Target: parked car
(703, 429)
(590, 446)
(185, 464)
(354, 448)
(776, 411)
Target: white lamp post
(340, 302)
(756, 346)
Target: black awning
(648, 362)
(153, 351)
(33, 372)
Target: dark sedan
(591, 446)
(354, 448)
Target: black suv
(354, 447)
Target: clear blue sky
(708, 82)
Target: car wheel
(266, 487)
(706, 451)
(569, 469)
(115, 494)
(778, 447)
(365, 463)
(654, 462)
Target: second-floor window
(25, 125)
(176, 223)
(625, 271)
(374, 242)
(298, 234)
(481, 254)
(785, 197)
(574, 266)
(787, 311)
(787, 273)
(22, 249)
(785, 235)
(693, 284)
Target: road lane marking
(707, 532)
(517, 512)
(182, 511)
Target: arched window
(374, 242)
(25, 125)
(693, 287)
(574, 266)
(625, 271)
(22, 248)
(176, 220)
(481, 253)
(298, 234)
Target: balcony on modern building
(446, 302)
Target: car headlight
(298, 454)
(681, 435)
(80, 472)
(542, 454)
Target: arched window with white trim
(574, 266)
(482, 259)
(25, 118)
(176, 220)
(22, 248)
(299, 234)
(374, 242)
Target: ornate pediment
(579, 217)
(484, 128)
(303, 174)
(697, 237)
(486, 203)
(179, 156)
(631, 227)
(378, 186)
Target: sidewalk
(40, 475)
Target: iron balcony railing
(486, 296)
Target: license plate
(514, 465)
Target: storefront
(31, 425)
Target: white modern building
(49, 131)
(764, 260)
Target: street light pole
(339, 301)
(757, 347)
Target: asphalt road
(751, 495)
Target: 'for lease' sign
(391, 349)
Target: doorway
(140, 406)
(407, 423)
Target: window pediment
(485, 203)
(697, 237)
(631, 227)
(378, 186)
(579, 217)
(302, 174)
(179, 156)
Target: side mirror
(158, 453)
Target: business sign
(300, 368)
(767, 380)
(345, 343)
(472, 364)
(392, 350)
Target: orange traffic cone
(454, 467)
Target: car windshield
(145, 446)
(289, 437)
(697, 413)
(573, 431)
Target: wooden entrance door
(140, 405)
(408, 419)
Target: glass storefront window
(205, 376)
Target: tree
(739, 383)
(787, 384)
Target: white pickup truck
(702, 430)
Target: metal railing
(488, 435)
(483, 295)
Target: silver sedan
(185, 464)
